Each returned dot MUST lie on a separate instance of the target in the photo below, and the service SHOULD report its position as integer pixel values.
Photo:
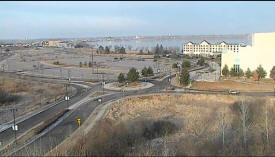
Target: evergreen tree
(248, 73)
(232, 72)
(122, 50)
(144, 72)
(107, 50)
(272, 73)
(132, 75)
(101, 49)
(225, 71)
(150, 71)
(184, 77)
(121, 78)
(240, 73)
(261, 72)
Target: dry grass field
(33, 95)
(183, 124)
(232, 85)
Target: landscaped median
(130, 87)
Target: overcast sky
(100, 19)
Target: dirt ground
(232, 85)
(83, 67)
(31, 93)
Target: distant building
(205, 48)
(261, 52)
(50, 43)
(65, 45)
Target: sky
(83, 19)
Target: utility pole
(97, 72)
(69, 79)
(170, 78)
(60, 70)
(14, 125)
(67, 93)
(103, 83)
(93, 61)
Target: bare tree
(244, 117)
(266, 125)
(223, 126)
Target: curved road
(48, 139)
(68, 124)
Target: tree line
(107, 50)
(133, 74)
(258, 74)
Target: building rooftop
(216, 43)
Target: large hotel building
(205, 48)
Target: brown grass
(198, 117)
(231, 85)
(33, 92)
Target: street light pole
(14, 125)
(103, 83)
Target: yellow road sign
(78, 121)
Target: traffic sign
(15, 127)
(78, 121)
(99, 100)
(67, 98)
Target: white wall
(261, 52)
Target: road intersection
(81, 105)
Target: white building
(261, 52)
(65, 44)
(205, 48)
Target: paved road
(7, 135)
(55, 136)
(68, 124)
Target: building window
(236, 68)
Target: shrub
(186, 64)
(6, 97)
(175, 65)
(201, 62)
(56, 63)
(121, 78)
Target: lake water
(148, 44)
